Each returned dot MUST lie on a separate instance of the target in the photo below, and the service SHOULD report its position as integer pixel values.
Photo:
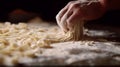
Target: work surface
(101, 47)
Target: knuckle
(74, 5)
(57, 17)
(71, 2)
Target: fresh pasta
(25, 40)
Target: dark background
(47, 10)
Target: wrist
(111, 4)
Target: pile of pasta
(25, 40)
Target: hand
(77, 11)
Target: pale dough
(25, 40)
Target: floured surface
(79, 53)
(89, 52)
